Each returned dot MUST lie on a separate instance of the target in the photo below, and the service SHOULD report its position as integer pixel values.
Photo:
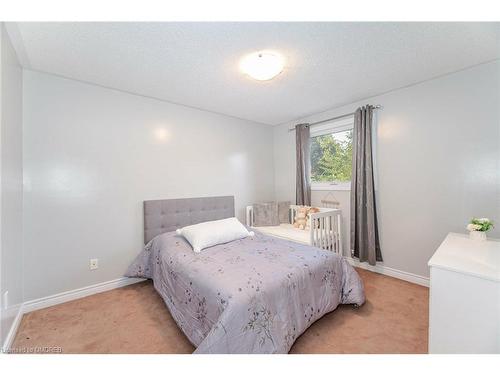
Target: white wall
(438, 153)
(92, 155)
(11, 178)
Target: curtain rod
(378, 106)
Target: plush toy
(301, 217)
(313, 210)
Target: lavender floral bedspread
(254, 295)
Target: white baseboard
(13, 328)
(56, 299)
(384, 270)
(70, 295)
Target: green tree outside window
(331, 157)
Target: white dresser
(464, 310)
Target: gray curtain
(365, 243)
(302, 147)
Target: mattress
(287, 231)
(254, 295)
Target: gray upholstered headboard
(167, 215)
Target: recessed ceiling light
(262, 65)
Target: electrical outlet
(94, 264)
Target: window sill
(330, 187)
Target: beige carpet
(134, 319)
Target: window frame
(331, 127)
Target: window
(331, 155)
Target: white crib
(324, 230)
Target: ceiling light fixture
(263, 65)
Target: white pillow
(211, 233)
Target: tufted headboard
(167, 215)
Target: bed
(254, 295)
(324, 229)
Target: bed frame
(325, 230)
(167, 215)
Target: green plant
(481, 225)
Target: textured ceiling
(196, 64)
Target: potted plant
(479, 227)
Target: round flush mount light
(262, 65)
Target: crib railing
(326, 230)
(292, 211)
(325, 227)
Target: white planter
(477, 235)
